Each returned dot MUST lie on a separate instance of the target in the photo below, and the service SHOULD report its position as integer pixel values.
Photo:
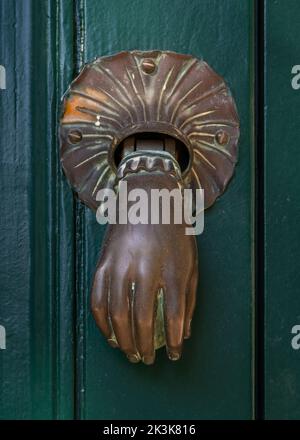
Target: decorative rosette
(136, 92)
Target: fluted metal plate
(116, 96)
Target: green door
(215, 378)
(56, 364)
(282, 211)
(37, 284)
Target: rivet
(222, 137)
(148, 66)
(74, 136)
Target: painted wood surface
(282, 211)
(37, 221)
(57, 364)
(214, 379)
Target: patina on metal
(175, 108)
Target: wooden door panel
(57, 364)
(282, 211)
(36, 222)
(214, 379)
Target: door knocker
(153, 121)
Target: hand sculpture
(143, 295)
(143, 267)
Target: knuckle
(99, 276)
(174, 321)
(119, 318)
(144, 323)
(98, 309)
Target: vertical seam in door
(259, 209)
(252, 155)
(56, 215)
(80, 309)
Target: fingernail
(112, 343)
(134, 358)
(187, 334)
(173, 356)
(149, 360)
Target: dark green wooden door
(53, 345)
(56, 363)
(37, 220)
(282, 211)
(214, 379)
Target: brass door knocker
(153, 120)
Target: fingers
(145, 293)
(174, 309)
(99, 304)
(120, 315)
(190, 302)
(126, 315)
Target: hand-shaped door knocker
(153, 121)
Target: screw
(222, 137)
(148, 66)
(74, 136)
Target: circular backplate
(163, 92)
